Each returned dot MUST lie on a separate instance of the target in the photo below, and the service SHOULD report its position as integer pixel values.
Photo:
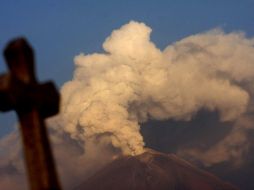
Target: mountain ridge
(153, 170)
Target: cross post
(33, 102)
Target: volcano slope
(153, 171)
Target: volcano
(153, 171)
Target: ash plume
(113, 92)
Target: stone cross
(33, 102)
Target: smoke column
(113, 92)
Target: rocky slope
(153, 171)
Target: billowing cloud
(112, 93)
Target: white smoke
(113, 92)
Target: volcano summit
(153, 171)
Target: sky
(60, 30)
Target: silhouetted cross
(33, 102)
